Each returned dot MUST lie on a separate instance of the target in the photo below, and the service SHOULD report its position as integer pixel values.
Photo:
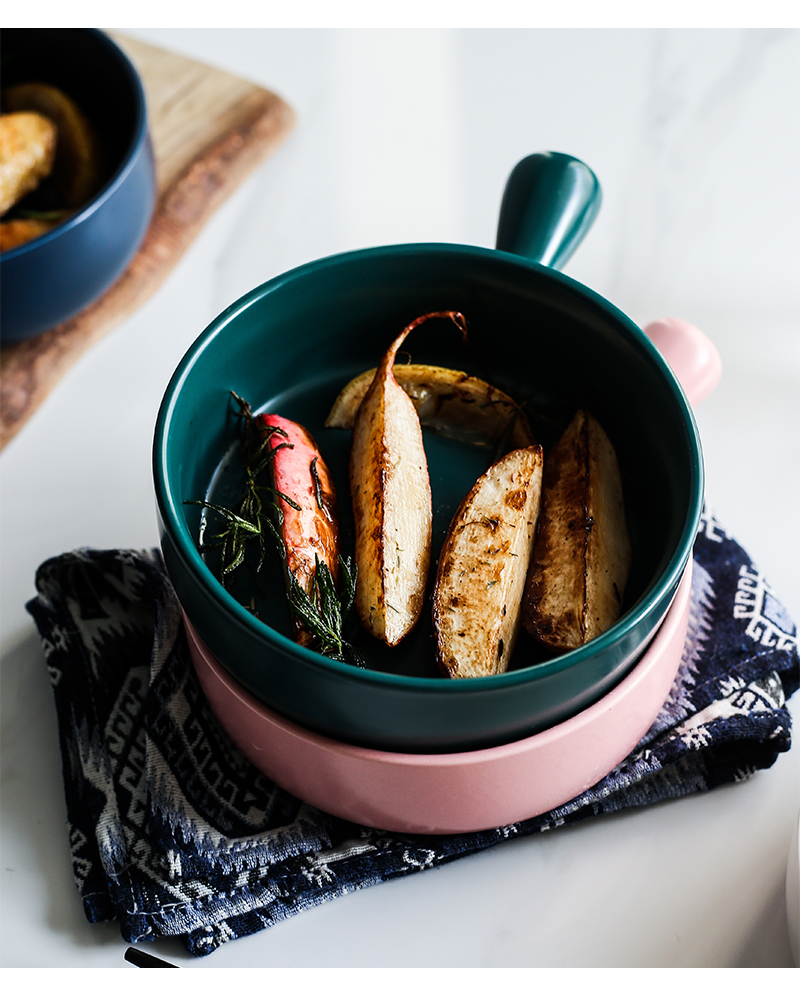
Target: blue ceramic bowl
(52, 278)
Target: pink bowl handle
(689, 353)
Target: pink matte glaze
(689, 353)
(452, 793)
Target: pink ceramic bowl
(458, 792)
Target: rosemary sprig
(256, 519)
(27, 214)
(258, 513)
(323, 612)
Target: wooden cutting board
(209, 130)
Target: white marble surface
(409, 136)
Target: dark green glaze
(550, 202)
(291, 344)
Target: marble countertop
(409, 135)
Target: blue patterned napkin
(173, 832)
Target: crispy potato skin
(313, 530)
(582, 553)
(483, 565)
(79, 167)
(27, 154)
(392, 508)
(448, 401)
(21, 230)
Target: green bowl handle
(549, 203)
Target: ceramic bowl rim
(173, 521)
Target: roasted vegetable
(482, 567)
(13, 233)
(79, 168)
(309, 523)
(582, 554)
(27, 153)
(448, 402)
(289, 500)
(391, 496)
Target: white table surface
(409, 136)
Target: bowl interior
(291, 345)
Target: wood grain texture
(210, 130)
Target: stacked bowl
(396, 745)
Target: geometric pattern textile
(173, 832)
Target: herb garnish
(324, 615)
(27, 214)
(257, 517)
(317, 483)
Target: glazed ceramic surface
(290, 346)
(384, 155)
(55, 276)
(459, 792)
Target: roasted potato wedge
(79, 168)
(391, 495)
(13, 233)
(483, 565)
(27, 154)
(310, 528)
(582, 553)
(447, 401)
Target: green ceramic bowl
(290, 345)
